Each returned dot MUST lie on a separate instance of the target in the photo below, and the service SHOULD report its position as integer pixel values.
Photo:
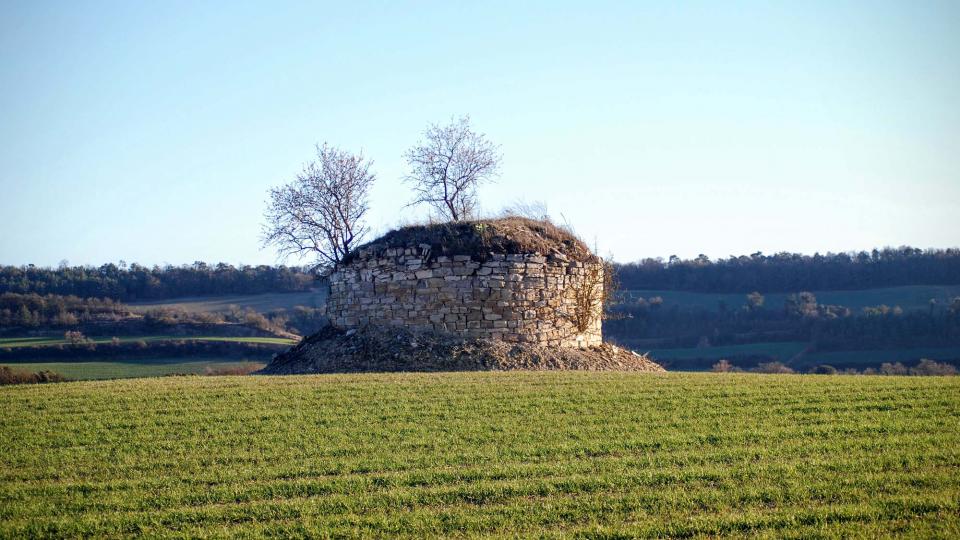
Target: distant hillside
(261, 303)
(792, 272)
(913, 297)
(139, 283)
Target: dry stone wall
(527, 298)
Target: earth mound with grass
(481, 238)
(372, 349)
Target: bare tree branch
(448, 165)
(321, 213)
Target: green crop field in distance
(120, 369)
(55, 340)
(221, 304)
(544, 454)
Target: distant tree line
(51, 311)
(103, 315)
(788, 272)
(138, 282)
(33, 310)
(647, 322)
(924, 368)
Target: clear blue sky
(151, 131)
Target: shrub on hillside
(772, 367)
(305, 320)
(895, 368)
(9, 376)
(930, 367)
(207, 317)
(724, 366)
(824, 369)
(75, 337)
(244, 369)
(250, 317)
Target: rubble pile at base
(373, 349)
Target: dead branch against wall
(592, 294)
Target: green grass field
(113, 369)
(262, 303)
(909, 297)
(595, 455)
(59, 340)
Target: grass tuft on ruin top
(481, 238)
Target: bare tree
(448, 165)
(321, 213)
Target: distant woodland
(802, 318)
(783, 272)
(792, 272)
(136, 282)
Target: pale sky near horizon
(151, 131)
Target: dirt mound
(396, 349)
(481, 238)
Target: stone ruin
(514, 297)
(510, 293)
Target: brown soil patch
(396, 349)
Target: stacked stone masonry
(527, 298)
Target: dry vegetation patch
(15, 376)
